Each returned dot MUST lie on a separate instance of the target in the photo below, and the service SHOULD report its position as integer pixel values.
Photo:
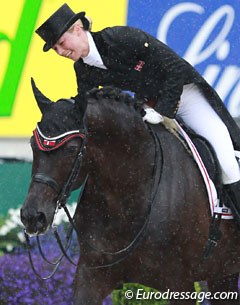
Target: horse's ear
(42, 100)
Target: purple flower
(19, 285)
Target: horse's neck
(120, 164)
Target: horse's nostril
(41, 222)
(41, 218)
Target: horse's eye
(71, 149)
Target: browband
(50, 143)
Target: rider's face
(73, 44)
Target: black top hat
(58, 23)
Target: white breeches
(196, 112)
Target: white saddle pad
(211, 190)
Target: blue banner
(206, 33)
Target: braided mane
(113, 94)
(112, 105)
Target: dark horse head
(56, 142)
(60, 131)
(144, 215)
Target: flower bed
(20, 286)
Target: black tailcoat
(138, 62)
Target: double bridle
(48, 144)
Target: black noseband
(42, 178)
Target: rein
(56, 263)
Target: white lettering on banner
(226, 80)
(172, 14)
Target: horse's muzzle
(35, 222)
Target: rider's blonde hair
(79, 22)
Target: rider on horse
(133, 60)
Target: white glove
(151, 116)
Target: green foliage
(10, 231)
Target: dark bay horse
(144, 215)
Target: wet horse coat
(144, 215)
